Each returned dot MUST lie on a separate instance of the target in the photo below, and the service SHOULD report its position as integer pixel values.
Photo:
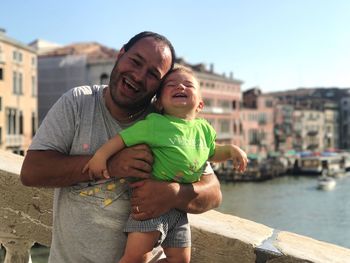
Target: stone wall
(26, 217)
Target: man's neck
(122, 115)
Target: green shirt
(180, 147)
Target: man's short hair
(156, 36)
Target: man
(89, 213)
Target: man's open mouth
(130, 85)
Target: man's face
(137, 74)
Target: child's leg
(138, 245)
(176, 255)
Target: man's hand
(133, 161)
(151, 198)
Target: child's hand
(96, 169)
(239, 157)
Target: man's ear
(121, 52)
(200, 106)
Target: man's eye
(135, 61)
(154, 75)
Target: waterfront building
(345, 120)
(308, 130)
(63, 68)
(222, 102)
(283, 127)
(18, 94)
(257, 117)
(324, 102)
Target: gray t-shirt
(88, 218)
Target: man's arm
(54, 169)
(153, 198)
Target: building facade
(63, 68)
(18, 94)
(222, 104)
(258, 117)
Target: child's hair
(177, 67)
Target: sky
(272, 44)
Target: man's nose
(140, 74)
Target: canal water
(293, 204)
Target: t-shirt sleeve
(211, 138)
(56, 132)
(140, 132)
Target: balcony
(216, 110)
(312, 133)
(26, 217)
(14, 140)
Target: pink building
(257, 116)
(222, 98)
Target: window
(224, 126)
(33, 61)
(1, 74)
(14, 121)
(20, 122)
(17, 56)
(34, 91)
(33, 124)
(234, 127)
(20, 83)
(0, 135)
(17, 85)
(208, 102)
(14, 82)
(234, 104)
(0, 103)
(268, 103)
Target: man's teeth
(131, 85)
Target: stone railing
(26, 217)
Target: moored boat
(326, 183)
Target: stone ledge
(26, 214)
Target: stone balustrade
(26, 217)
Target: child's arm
(230, 151)
(97, 165)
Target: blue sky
(273, 44)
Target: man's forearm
(201, 196)
(53, 169)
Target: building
(18, 94)
(64, 68)
(258, 117)
(345, 120)
(308, 103)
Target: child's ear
(200, 106)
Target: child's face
(181, 95)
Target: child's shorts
(173, 227)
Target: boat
(316, 164)
(326, 183)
